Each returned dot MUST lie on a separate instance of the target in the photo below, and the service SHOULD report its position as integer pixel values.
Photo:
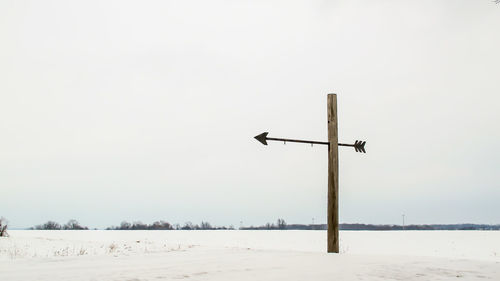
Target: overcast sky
(146, 110)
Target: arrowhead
(262, 138)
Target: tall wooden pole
(333, 169)
(333, 176)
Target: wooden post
(333, 176)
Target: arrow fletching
(359, 146)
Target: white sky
(146, 110)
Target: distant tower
(403, 221)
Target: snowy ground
(249, 255)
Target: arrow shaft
(343, 144)
(301, 141)
(306, 141)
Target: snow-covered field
(249, 255)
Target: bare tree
(269, 226)
(205, 225)
(125, 225)
(74, 225)
(281, 224)
(3, 227)
(50, 225)
(190, 226)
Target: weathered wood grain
(333, 176)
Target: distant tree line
(463, 226)
(52, 225)
(359, 226)
(158, 225)
(202, 226)
(280, 224)
(163, 225)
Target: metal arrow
(359, 146)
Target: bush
(3, 227)
(281, 224)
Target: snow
(249, 255)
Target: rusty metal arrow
(359, 146)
